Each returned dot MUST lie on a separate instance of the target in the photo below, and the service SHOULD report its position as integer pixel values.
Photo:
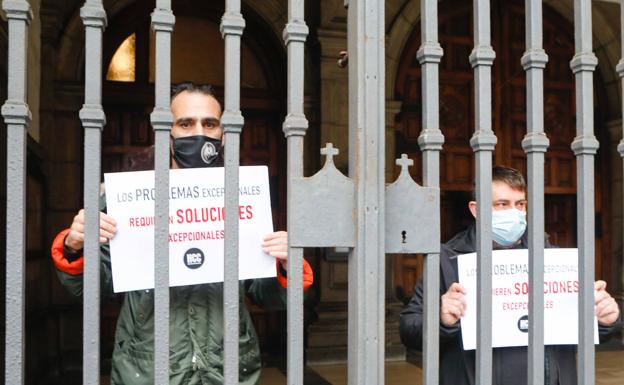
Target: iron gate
(358, 212)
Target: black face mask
(197, 151)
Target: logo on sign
(194, 258)
(523, 324)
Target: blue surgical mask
(508, 226)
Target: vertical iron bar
(17, 117)
(162, 24)
(483, 142)
(366, 39)
(620, 71)
(294, 127)
(535, 144)
(430, 141)
(232, 25)
(585, 147)
(93, 121)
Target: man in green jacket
(196, 312)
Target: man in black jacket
(457, 366)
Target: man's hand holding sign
(606, 309)
(453, 305)
(75, 238)
(276, 245)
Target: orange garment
(77, 267)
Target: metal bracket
(232, 122)
(232, 23)
(163, 20)
(296, 31)
(324, 207)
(92, 116)
(18, 10)
(161, 119)
(412, 219)
(16, 112)
(93, 15)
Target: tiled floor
(397, 373)
(609, 371)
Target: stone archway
(69, 66)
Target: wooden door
(457, 170)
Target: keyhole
(403, 236)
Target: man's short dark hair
(191, 87)
(510, 176)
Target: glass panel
(122, 67)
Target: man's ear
(472, 206)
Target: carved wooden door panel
(508, 114)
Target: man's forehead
(503, 191)
(195, 105)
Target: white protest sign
(196, 226)
(510, 300)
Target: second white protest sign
(510, 302)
